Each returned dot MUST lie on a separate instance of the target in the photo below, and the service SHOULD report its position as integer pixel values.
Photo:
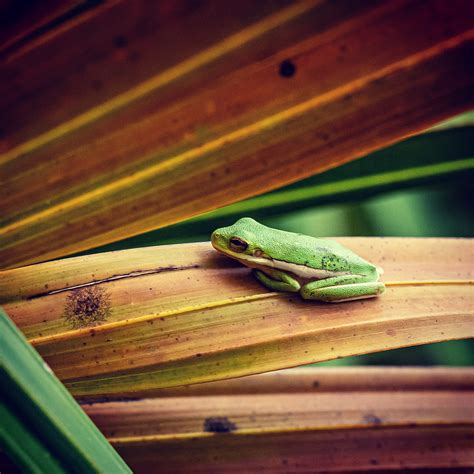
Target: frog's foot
(277, 281)
(338, 289)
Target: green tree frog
(318, 269)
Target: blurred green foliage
(34, 430)
(420, 187)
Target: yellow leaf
(182, 314)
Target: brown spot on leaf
(372, 419)
(287, 69)
(218, 424)
(87, 307)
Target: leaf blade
(365, 416)
(171, 327)
(358, 105)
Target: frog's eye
(238, 244)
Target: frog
(316, 268)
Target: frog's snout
(215, 238)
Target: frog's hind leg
(343, 288)
(276, 280)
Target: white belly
(301, 271)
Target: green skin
(318, 269)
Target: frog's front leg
(277, 280)
(342, 288)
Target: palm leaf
(149, 157)
(182, 314)
(306, 419)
